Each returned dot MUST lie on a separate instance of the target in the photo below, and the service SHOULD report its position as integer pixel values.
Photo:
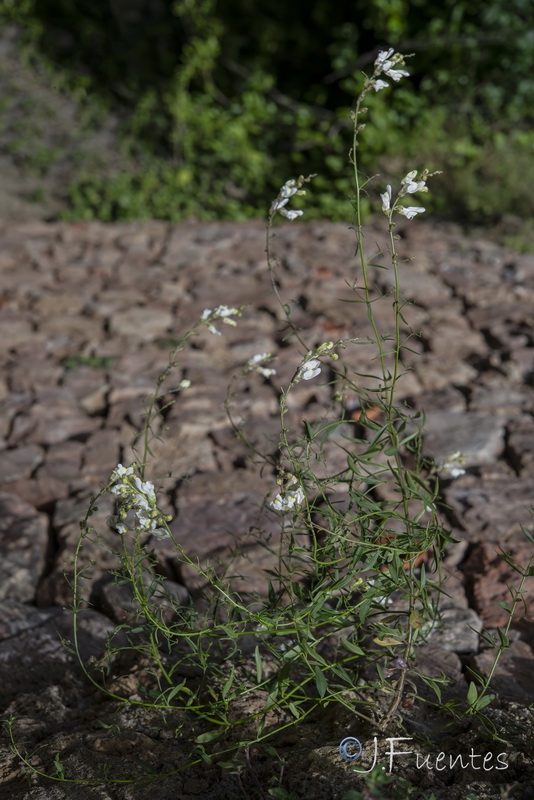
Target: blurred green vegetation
(221, 101)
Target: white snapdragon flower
(309, 369)
(396, 74)
(221, 312)
(289, 189)
(136, 497)
(410, 211)
(288, 500)
(256, 363)
(120, 489)
(253, 362)
(291, 214)
(386, 199)
(380, 84)
(121, 471)
(266, 372)
(279, 204)
(383, 57)
(114, 522)
(385, 65)
(410, 185)
(145, 489)
(184, 384)
(454, 465)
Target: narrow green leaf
(294, 710)
(423, 576)
(320, 682)
(209, 736)
(259, 668)
(228, 685)
(352, 648)
(309, 431)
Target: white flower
(120, 471)
(225, 311)
(185, 384)
(386, 199)
(410, 185)
(146, 488)
(453, 465)
(222, 312)
(410, 211)
(292, 214)
(396, 74)
(454, 469)
(257, 359)
(309, 369)
(380, 84)
(120, 489)
(288, 500)
(140, 502)
(383, 57)
(114, 522)
(414, 186)
(289, 188)
(266, 372)
(255, 363)
(151, 526)
(385, 63)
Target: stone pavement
(88, 314)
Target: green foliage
(222, 102)
(94, 362)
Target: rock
(459, 631)
(19, 462)
(36, 648)
(491, 508)
(479, 437)
(101, 455)
(512, 680)
(431, 661)
(146, 323)
(63, 460)
(23, 548)
(520, 445)
(54, 417)
(116, 600)
(41, 492)
(488, 577)
(184, 448)
(125, 293)
(16, 617)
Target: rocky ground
(88, 314)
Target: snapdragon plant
(356, 584)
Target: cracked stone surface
(88, 314)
